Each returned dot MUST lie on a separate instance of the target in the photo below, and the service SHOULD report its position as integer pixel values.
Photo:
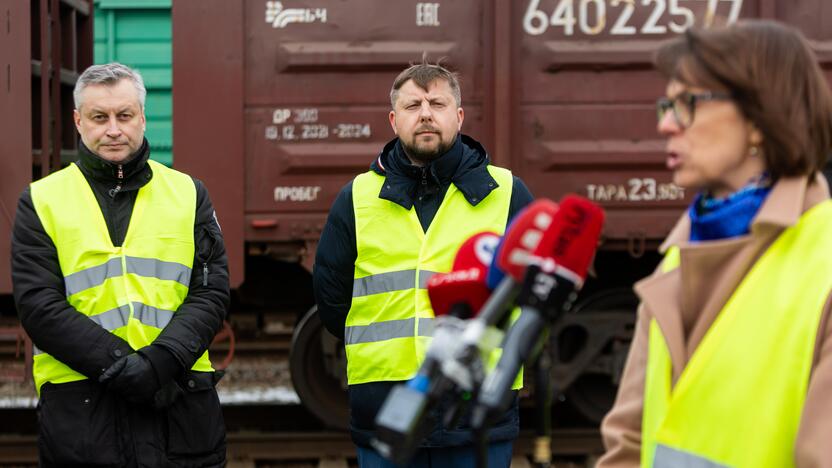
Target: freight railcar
(44, 45)
(277, 104)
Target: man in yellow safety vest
(388, 231)
(121, 279)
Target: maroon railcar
(44, 44)
(277, 104)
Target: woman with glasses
(731, 363)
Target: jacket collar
(135, 172)
(465, 165)
(789, 199)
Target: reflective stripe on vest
(388, 330)
(389, 282)
(739, 400)
(390, 322)
(149, 267)
(114, 319)
(667, 457)
(132, 290)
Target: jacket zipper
(120, 177)
(205, 263)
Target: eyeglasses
(684, 104)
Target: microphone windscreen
(577, 229)
(476, 252)
(495, 274)
(465, 284)
(530, 228)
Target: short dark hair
(423, 74)
(773, 76)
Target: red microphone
(575, 237)
(463, 291)
(564, 256)
(530, 235)
(403, 419)
(550, 280)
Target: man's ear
(392, 117)
(76, 116)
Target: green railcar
(137, 33)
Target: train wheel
(318, 366)
(589, 348)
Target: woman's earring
(753, 151)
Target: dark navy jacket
(407, 185)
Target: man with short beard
(428, 191)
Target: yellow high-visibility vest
(390, 323)
(132, 290)
(739, 400)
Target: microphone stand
(545, 307)
(481, 447)
(542, 457)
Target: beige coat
(686, 301)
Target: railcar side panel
(44, 44)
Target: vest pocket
(78, 425)
(195, 423)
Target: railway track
(266, 426)
(252, 449)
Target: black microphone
(549, 288)
(530, 233)
(403, 420)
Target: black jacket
(464, 165)
(58, 329)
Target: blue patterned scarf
(722, 218)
